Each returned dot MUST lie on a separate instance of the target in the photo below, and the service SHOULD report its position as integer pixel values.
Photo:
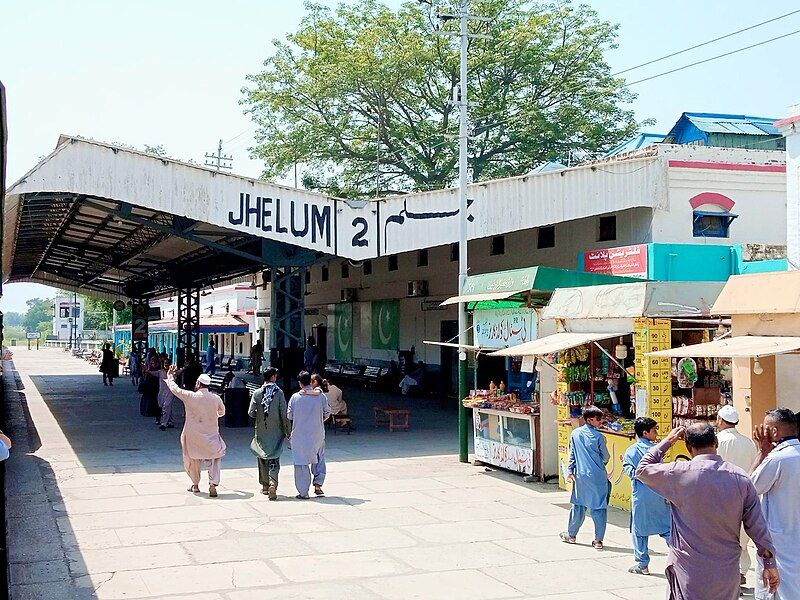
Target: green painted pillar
(463, 420)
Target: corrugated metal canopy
(555, 343)
(735, 347)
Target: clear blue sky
(148, 72)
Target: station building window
(546, 237)
(393, 263)
(367, 267)
(345, 270)
(324, 273)
(422, 258)
(498, 246)
(712, 224)
(607, 231)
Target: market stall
(600, 358)
(764, 347)
(505, 308)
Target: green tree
(99, 313)
(40, 310)
(13, 332)
(12, 318)
(539, 88)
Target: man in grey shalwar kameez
(308, 410)
(268, 407)
(710, 499)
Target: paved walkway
(97, 509)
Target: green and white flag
(386, 324)
(343, 349)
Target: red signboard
(630, 261)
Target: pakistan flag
(343, 350)
(386, 324)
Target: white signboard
(513, 458)
(33, 335)
(503, 327)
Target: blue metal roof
(689, 124)
(641, 140)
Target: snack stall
(505, 308)
(763, 352)
(600, 358)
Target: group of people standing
(701, 506)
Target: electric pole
(219, 161)
(460, 99)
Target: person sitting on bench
(333, 393)
(414, 378)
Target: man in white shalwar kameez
(777, 481)
(308, 410)
(202, 445)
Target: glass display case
(507, 440)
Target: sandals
(318, 490)
(637, 570)
(212, 491)
(597, 545)
(566, 538)
(300, 497)
(194, 489)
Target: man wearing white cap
(738, 450)
(203, 447)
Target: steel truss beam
(188, 324)
(288, 305)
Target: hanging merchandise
(687, 373)
(570, 356)
(612, 379)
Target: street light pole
(463, 448)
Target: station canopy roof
(115, 222)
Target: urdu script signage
(630, 261)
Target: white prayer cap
(204, 379)
(729, 414)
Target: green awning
(511, 288)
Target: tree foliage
(538, 89)
(40, 310)
(99, 314)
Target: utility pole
(460, 99)
(219, 161)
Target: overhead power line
(706, 43)
(718, 56)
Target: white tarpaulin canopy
(555, 343)
(743, 346)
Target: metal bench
(372, 375)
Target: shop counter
(508, 440)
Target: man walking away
(739, 450)
(710, 500)
(107, 365)
(650, 513)
(164, 397)
(588, 456)
(202, 445)
(777, 481)
(268, 407)
(211, 358)
(257, 357)
(308, 410)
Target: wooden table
(395, 418)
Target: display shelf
(507, 439)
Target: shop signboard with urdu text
(630, 261)
(504, 327)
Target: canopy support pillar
(287, 326)
(188, 324)
(140, 309)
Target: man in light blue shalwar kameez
(308, 410)
(650, 513)
(591, 488)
